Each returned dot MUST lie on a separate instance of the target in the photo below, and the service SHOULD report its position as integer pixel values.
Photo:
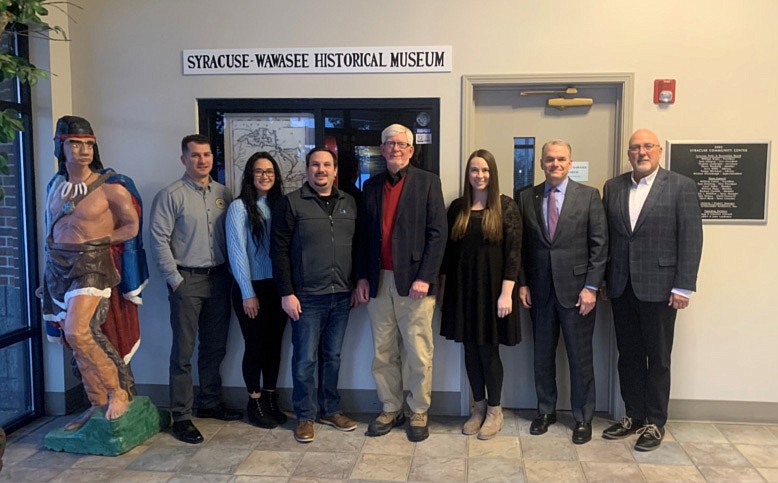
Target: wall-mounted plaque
(731, 177)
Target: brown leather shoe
(303, 433)
(339, 421)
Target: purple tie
(553, 213)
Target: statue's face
(79, 151)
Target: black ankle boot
(271, 398)
(259, 414)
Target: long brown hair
(249, 195)
(492, 219)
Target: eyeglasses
(267, 172)
(392, 144)
(77, 145)
(635, 148)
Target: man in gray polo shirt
(188, 242)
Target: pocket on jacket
(667, 262)
(580, 269)
(415, 256)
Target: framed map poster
(287, 137)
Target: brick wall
(9, 223)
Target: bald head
(644, 134)
(644, 153)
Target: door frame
(624, 83)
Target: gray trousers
(199, 307)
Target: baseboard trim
(70, 401)
(351, 400)
(444, 403)
(723, 411)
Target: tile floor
(239, 452)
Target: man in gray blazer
(563, 261)
(655, 230)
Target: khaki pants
(402, 338)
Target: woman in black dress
(480, 306)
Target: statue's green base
(110, 438)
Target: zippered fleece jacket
(311, 249)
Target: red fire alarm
(664, 91)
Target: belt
(203, 270)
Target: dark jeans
(644, 336)
(577, 330)
(317, 338)
(261, 335)
(199, 309)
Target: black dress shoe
(582, 433)
(624, 428)
(541, 423)
(650, 437)
(185, 431)
(220, 411)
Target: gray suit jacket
(663, 251)
(576, 256)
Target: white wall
(125, 72)
(50, 97)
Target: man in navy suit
(402, 239)
(655, 230)
(563, 262)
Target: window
(523, 167)
(21, 360)
(350, 127)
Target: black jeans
(261, 335)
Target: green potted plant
(16, 15)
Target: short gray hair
(556, 142)
(394, 130)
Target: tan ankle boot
(493, 423)
(477, 416)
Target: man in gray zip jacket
(311, 245)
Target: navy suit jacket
(419, 235)
(663, 251)
(577, 254)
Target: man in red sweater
(403, 238)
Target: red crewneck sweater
(391, 200)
